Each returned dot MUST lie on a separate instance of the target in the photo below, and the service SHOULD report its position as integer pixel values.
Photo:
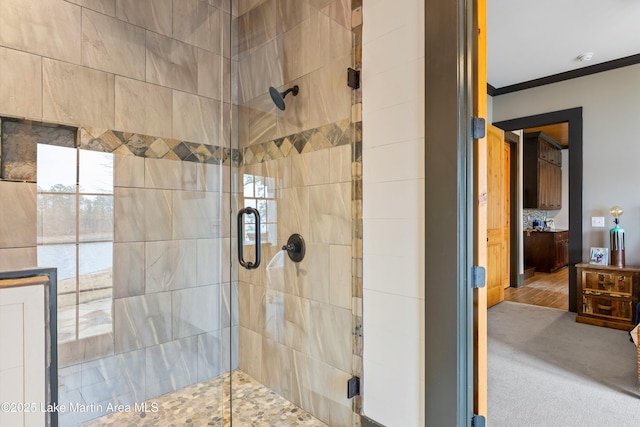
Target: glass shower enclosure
(298, 174)
(209, 265)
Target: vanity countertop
(24, 281)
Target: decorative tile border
(327, 136)
(19, 139)
(134, 144)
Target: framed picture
(599, 256)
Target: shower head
(278, 97)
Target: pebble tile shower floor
(200, 405)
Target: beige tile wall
(148, 67)
(282, 43)
(111, 45)
(23, 71)
(296, 319)
(18, 211)
(108, 7)
(63, 82)
(154, 15)
(46, 28)
(145, 66)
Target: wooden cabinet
(608, 295)
(542, 172)
(547, 251)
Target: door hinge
(478, 127)
(478, 421)
(353, 387)
(478, 277)
(353, 78)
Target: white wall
(393, 212)
(611, 106)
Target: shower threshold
(200, 405)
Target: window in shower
(75, 234)
(259, 193)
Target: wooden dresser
(608, 295)
(547, 251)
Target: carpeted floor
(547, 370)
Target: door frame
(450, 41)
(514, 277)
(574, 118)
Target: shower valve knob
(295, 247)
(289, 247)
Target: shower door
(298, 301)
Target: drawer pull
(605, 307)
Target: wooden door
(480, 211)
(497, 218)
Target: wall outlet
(597, 221)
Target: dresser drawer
(611, 308)
(611, 282)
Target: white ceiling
(527, 40)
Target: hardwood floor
(544, 289)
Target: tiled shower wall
(171, 286)
(158, 67)
(282, 43)
(300, 323)
(172, 290)
(143, 67)
(296, 318)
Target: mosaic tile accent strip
(133, 144)
(19, 139)
(327, 136)
(206, 404)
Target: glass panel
(95, 265)
(297, 316)
(96, 172)
(270, 187)
(56, 218)
(259, 186)
(247, 185)
(63, 257)
(95, 285)
(262, 210)
(56, 169)
(272, 234)
(272, 211)
(96, 218)
(250, 203)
